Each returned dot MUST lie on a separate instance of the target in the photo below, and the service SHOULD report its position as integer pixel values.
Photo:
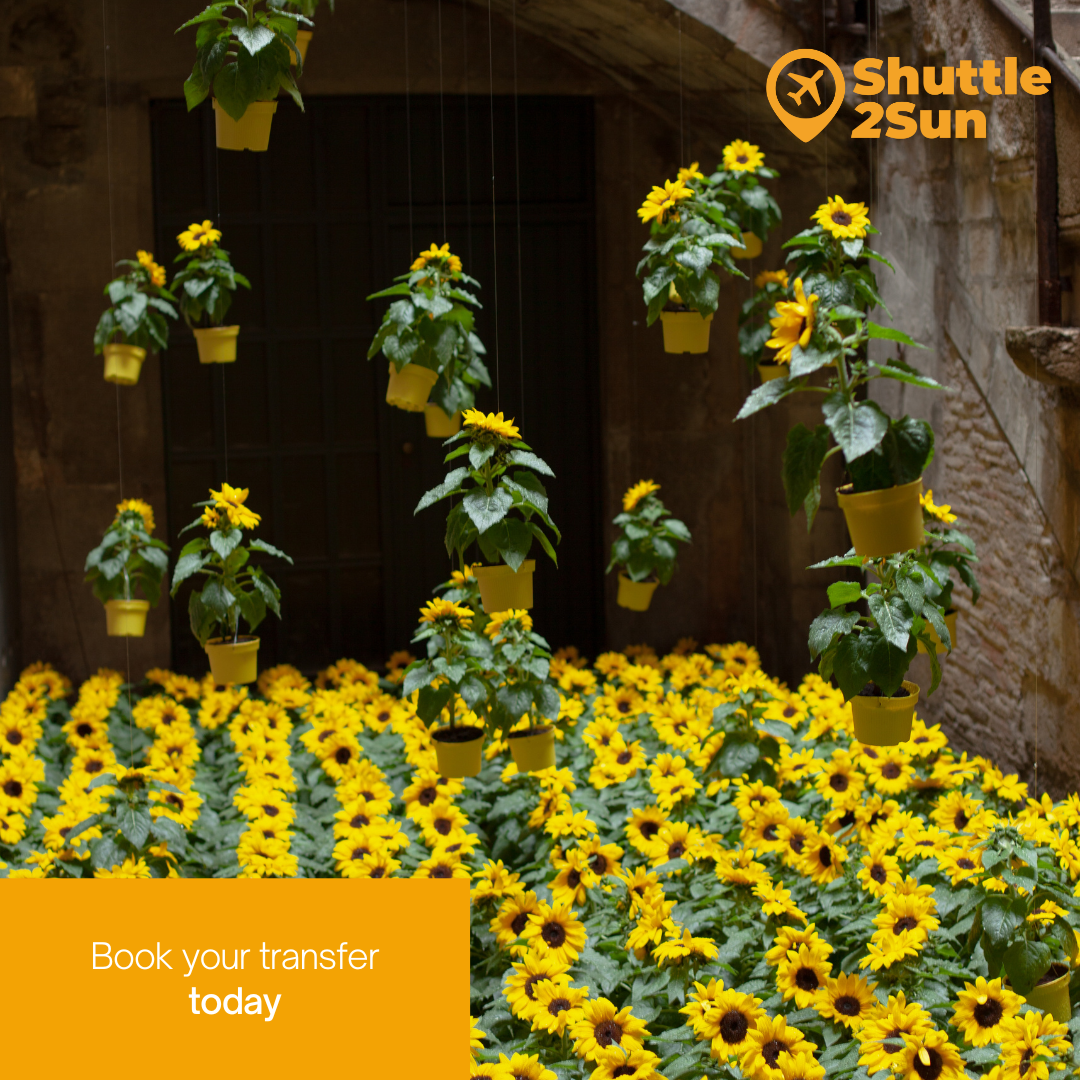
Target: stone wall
(957, 218)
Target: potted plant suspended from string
(690, 232)
(755, 329)
(234, 587)
(943, 550)
(500, 511)
(455, 671)
(243, 61)
(128, 560)
(751, 207)
(525, 705)
(307, 8)
(135, 318)
(205, 286)
(826, 326)
(645, 550)
(427, 335)
(869, 654)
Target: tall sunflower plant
(521, 661)
(245, 53)
(755, 329)
(233, 588)
(749, 204)
(946, 550)
(207, 282)
(868, 636)
(431, 324)
(691, 230)
(830, 332)
(500, 511)
(139, 305)
(128, 560)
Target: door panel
(318, 223)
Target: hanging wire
(408, 132)
(119, 426)
(517, 196)
(468, 176)
(682, 140)
(442, 124)
(494, 239)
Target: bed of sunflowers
(715, 881)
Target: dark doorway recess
(319, 222)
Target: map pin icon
(805, 128)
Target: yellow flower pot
(216, 344)
(950, 624)
(881, 721)
(685, 331)
(250, 132)
(501, 589)
(1053, 996)
(123, 364)
(438, 425)
(409, 388)
(126, 618)
(459, 750)
(751, 248)
(303, 40)
(768, 372)
(231, 663)
(635, 595)
(883, 522)
(533, 749)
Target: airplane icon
(804, 85)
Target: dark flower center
(841, 217)
(427, 796)
(554, 935)
(848, 1005)
(790, 711)
(890, 770)
(573, 879)
(878, 873)
(806, 979)
(530, 983)
(825, 856)
(13, 788)
(378, 872)
(839, 782)
(772, 1050)
(931, 1071)
(624, 1070)
(676, 850)
(625, 758)
(442, 871)
(94, 766)
(965, 864)
(797, 844)
(908, 922)
(742, 159)
(442, 826)
(733, 1027)
(14, 737)
(769, 832)
(987, 1013)
(961, 820)
(607, 1032)
(521, 920)
(558, 1005)
(623, 706)
(358, 821)
(649, 829)
(270, 810)
(84, 730)
(599, 863)
(342, 755)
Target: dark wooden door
(319, 222)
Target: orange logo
(808, 88)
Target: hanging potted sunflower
(645, 550)
(244, 62)
(502, 512)
(205, 286)
(427, 336)
(945, 549)
(825, 324)
(454, 671)
(869, 652)
(307, 9)
(234, 588)
(521, 660)
(135, 318)
(128, 560)
(755, 330)
(750, 205)
(689, 232)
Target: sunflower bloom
(845, 221)
(771, 277)
(742, 156)
(490, 423)
(942, 513)
(662, 200)
(155, 270)
(136, 506)
(690, 172)
(638, 492)
(438, 609)
(500, 618)
(196, 236)
(231, 500)
(793, 325)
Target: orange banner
(202, 978)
